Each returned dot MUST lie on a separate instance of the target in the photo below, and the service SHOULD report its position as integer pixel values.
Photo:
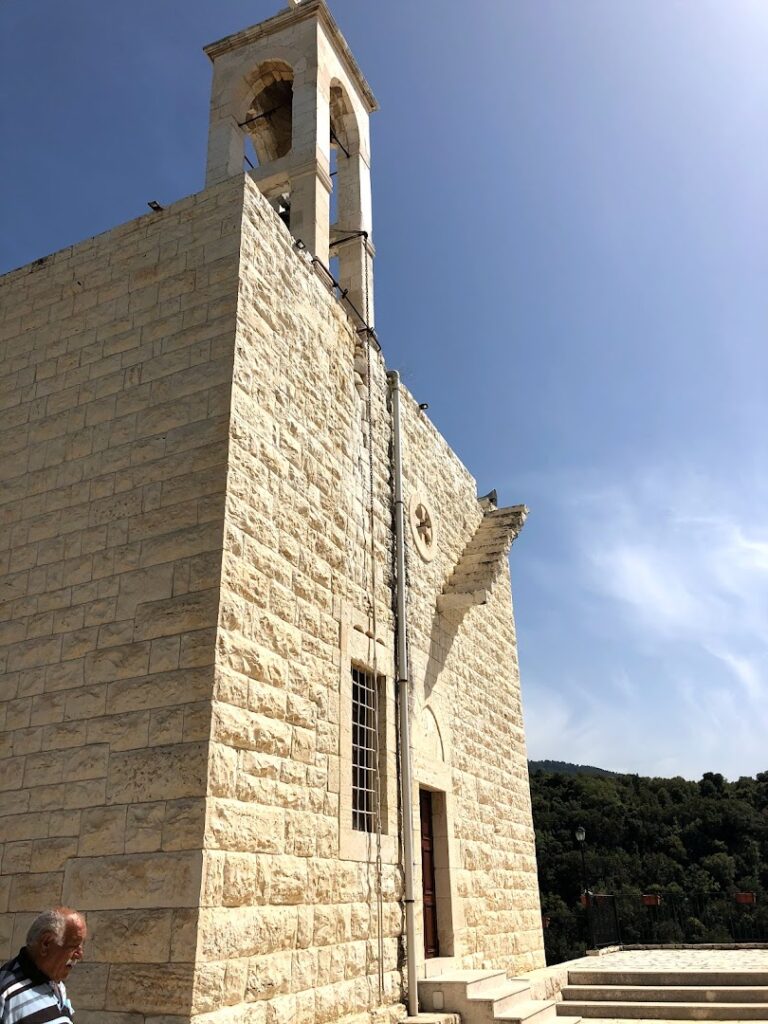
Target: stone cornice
(481, 560)
(301, 12)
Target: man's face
(57, 961)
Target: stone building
(202, 653)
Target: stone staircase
(666, 995)
(483, 997)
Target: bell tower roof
(302, 10)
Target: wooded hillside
(567, 768)
(698, 843)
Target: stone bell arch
(292, 86)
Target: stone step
(484, 997)
(665, 1011)
(504, 997)
(662, 993)
(434, 1018)
(528, 1011)
(439, 965)
(656, 978)
(452, 991)
(458, 984)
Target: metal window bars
(364, 751)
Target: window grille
(364, 751)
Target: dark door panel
(431, 943)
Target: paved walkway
(699, 959)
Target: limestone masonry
(189, 579)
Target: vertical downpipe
(403, 688)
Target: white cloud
(640, 576)
(547, 717)
(751, 675)
(665, 659)
(674, 570)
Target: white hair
(53, 921)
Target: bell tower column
(311, 183)
(351, 234)
(290, 88)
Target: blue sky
(571, 222)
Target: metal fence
(662, 918)
(607, 919)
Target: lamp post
(581, 837)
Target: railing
(651, 919)
(661, 918)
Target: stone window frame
(437, 776)
(357, 650)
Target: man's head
(55, 941)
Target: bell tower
(291, 86)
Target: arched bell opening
(344, 149)
(271, 97)
(350, 250)
(268, 120)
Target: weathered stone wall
(116, 363)
(188, 579)
(467, 682)
(285, 924)
(288, 926)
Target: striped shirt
(27, 996)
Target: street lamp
(581, 835)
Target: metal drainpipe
(403, 688)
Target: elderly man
(32, 984)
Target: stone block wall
(467, 689)
(287, 927)
(189, 577)
(116, 363)
(289, 921)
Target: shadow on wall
(441, 637)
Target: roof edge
(301, 12)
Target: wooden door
(431, 944)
